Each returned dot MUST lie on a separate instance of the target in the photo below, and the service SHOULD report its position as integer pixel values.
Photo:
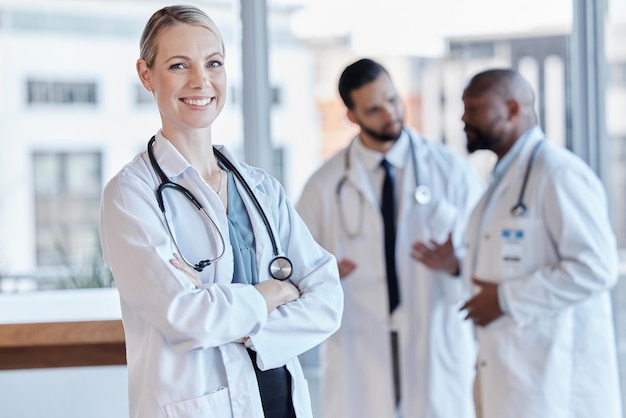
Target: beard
(383, 136)
(483, 139)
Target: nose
(390, 113)
(200, 77)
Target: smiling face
(187, 78)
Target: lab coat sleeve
(574, 212)
(300, 325)
(463, 189)
(138, 251)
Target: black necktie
(388, 210)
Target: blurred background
(72, 113)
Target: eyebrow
(185, 57)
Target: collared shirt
(397, 157)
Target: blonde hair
(167, 17)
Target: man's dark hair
(356, 75)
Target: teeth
(197, 102)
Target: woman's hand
(276, 293)
(178, 262)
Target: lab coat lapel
(515, 174)
(492, 201)
(409, 183)
(359, 177)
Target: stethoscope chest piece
(423, 195)
(518, 210)
(281, 268)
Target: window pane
(67, 214)
(84, 174)
(47, 174)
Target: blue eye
(178, 66)
(215, 64)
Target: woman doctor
(209, 331)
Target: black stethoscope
(422, 195)
(520, 208)
(280, 267)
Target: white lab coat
(437, 351)
(554, 355)
(181, 358)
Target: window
(60, 92)
(67, 189)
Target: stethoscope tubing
(423, 194)
(419, 188)
(280, 267)
(221, 158)
(520, 207)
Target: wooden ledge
(62, 344)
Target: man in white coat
(541, 255)
(417, 359)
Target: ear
(351, 116)
(513, 108)
(145, 74)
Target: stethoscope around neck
(280, 267)
(422, 194)
(520, 208)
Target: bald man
(542, 258)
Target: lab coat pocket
(520, 247)
(214, 404)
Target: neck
(196, 148)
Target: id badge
(512, 254)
